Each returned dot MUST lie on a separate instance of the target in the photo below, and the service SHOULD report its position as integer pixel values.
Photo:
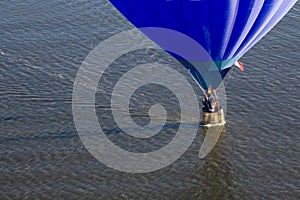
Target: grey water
(42, 45)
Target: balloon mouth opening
(206, 74)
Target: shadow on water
(211, 136)
(214, 178)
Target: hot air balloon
(226, 29)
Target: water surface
(43, 44)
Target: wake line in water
(40, 137)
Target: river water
(43, 44)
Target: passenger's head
(209, 90)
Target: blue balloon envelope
(226, 29)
